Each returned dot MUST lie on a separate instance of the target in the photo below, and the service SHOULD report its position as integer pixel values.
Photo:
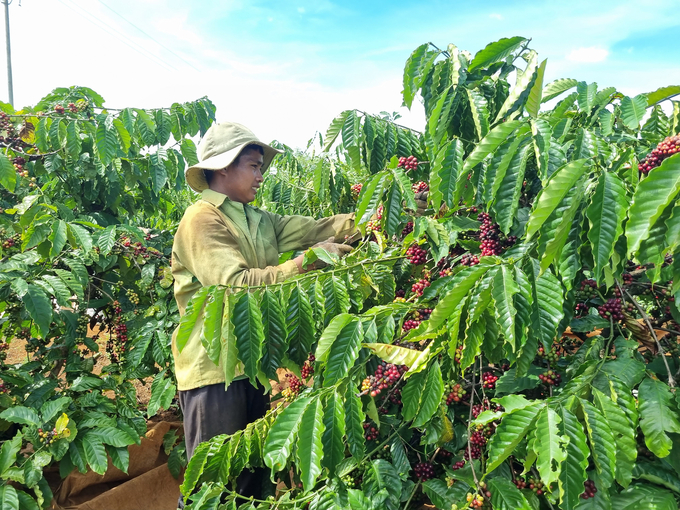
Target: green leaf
(107, 239)
(8, 174)
(274, 329)
(490, 142)
(9, 499)
(9, 450)
(445, 172)
(632, 110)
(411, 70)
(504, 288)
(371, 194)
(309, 445)
(557, 187)
(336, 298)
(95, 453)
(644, 497)
(394, 353)
(123, 135)
(195, 468)
(658, 416)
(146, 127)
(282, 434)
(354, 419)
(120, 457)
(106, 139)
(518, 95)
(624, 436)
(411, 395)
(393, 210)
(188, 149)
(602, 443)
(57, 237)
(535, 94)
(39, 308)
(506, 496)
(661, 94)
(549, 446)
(495, 52)
(654, 193)
(299, 324)
(510, 433)
(229, 354)
(343, 353)
(606, 213)
(82, 236)
(330, 334)
(21, 414)
(433, 391)
(382, 475)
(191, 314)
(461, 284)
(247, 320)
(480, 112)
(113, 436)
(333, 433)
(334, 130)
(509, 189)
(573, 469)
(557, 87)
(586, 95)
(496, 169)
(212, 324)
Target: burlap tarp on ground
(148, 485)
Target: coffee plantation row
(514, 348)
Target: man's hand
(421, 203)
(331, 247)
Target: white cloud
(495, 15)
(301, 10)
(589, 54)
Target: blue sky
(286, 68)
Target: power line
(121, 37)
(150, 37)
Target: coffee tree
(89, 199)
(514, 348)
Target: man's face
(244, 179)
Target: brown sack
(148, 485)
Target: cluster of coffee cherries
(19, 167)
(552, 356)
(587, 291)
(665, 149)
(295, 386)
(424, 471)
(489, 236)
(6, 125)
(581, 309)
(478, 438)
(416, 255)
(613, 309)
(307, 370)
(356, 189)
(458, 465)
(408, 163)
(137, 248)
(475, 500)
(469, 260)
(10, 242)
(4, 347)
(489, 380)
(73, 107)
(454, 393)
(385, 376)
(132, 296)
(370, 432)
(531, 484)
(115, 347)
(407, 229)
(48, 437)
(419, 186)
(590, 489)
(550, 378)
(59, 109)
(473, 451)
(419, 287)
(410, 324)
(3, 389)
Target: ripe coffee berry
(590, 488)
(407, 229)
(668, 147)
(409, 163)
(294, 383)
(420, 186)
(371, 433)
(489, 380)
(59, 109)
(453, 393)
(416, 255)
(424, 471)
(307, 370)
(489, 236)
(458, 465)
(385, 376)
(356, 189)
(410, 324)
(419, 287)
(474, 451)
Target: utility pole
(10, 88)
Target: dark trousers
(210, 411)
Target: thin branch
(645, 317)
(469, 445)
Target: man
(222, 240)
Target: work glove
(421, 203)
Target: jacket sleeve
(206, 246)
(301, 232)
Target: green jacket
(221, 242)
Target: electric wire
(118, 35)
(149, 36)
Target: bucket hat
(219, 148)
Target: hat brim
(196, 178)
